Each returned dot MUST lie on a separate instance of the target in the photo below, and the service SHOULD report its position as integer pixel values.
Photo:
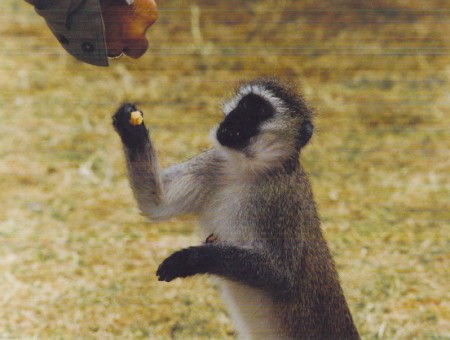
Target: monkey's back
(277, 214)
(316, 306)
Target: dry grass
(78, 261)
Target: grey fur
(277, 275)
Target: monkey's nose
(231, 137)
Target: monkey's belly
(252, 311)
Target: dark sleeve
(78, 26)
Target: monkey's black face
(244, 121)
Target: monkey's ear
(304, 134)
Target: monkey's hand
(184, 263)
(130, 127)
(245, 265)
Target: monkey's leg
(141, 159)
(248, 266)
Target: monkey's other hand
(130, 126)
(184, 263)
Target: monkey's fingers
(211, 238)
(128, 121)
(166, 271)
(183, 263)
(127, 114)
(163, 274)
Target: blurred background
(78, 261)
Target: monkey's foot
(183, 263)
(128, 122)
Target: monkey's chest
(227, 217)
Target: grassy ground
(78, 261)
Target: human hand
(125, 26)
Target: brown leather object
(125, 25)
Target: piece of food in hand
(136, 118)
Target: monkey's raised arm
(181, 189)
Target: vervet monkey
(254, 200)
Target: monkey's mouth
(234, 138)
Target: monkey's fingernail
(136, 118)
(211, 238)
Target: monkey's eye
(255, 108)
